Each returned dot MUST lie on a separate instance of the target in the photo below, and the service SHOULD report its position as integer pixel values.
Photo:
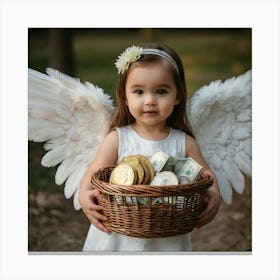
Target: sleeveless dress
(131, 143)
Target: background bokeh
(207, 55)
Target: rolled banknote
(190, 169)
(159, 160)
(178, 164)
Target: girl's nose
(150, 99)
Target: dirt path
(231, 229)
(54, 225)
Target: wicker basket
(150, 211)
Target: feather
(71, 118)
(76, 202)
(224, 185)
(234, 175)
(244, 163)
(244, 116)
(241, 132)
(64, 170)
(73, 182)
(221, 116)
(41, 131)
(52, 143)
(54, 156)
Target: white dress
(131, 143)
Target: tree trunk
(61, 50)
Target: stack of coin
(133, 170)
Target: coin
(149, 171)
(135, 163)
(140, 174)
(139, 165)
(130, 160)
(135, 175)
(122, 174)
(165, 178)
(143, 170)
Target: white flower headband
(133, 53)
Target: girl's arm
(106, 155)
(212, 198)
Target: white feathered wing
(221, 117)
(72, 118)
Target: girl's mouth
(150, 112)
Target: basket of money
(146, 197)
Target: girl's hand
(88, 201)
(106, 155)
(212, 199)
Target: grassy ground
(55, 226)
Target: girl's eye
(138, 91)
(161, 91)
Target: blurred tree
(150, 34)
(61, 50)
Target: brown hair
(178, 119)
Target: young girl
(150, 115)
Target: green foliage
(207, 54)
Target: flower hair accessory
(133, 53)
(130, 55)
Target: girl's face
(151, 92)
